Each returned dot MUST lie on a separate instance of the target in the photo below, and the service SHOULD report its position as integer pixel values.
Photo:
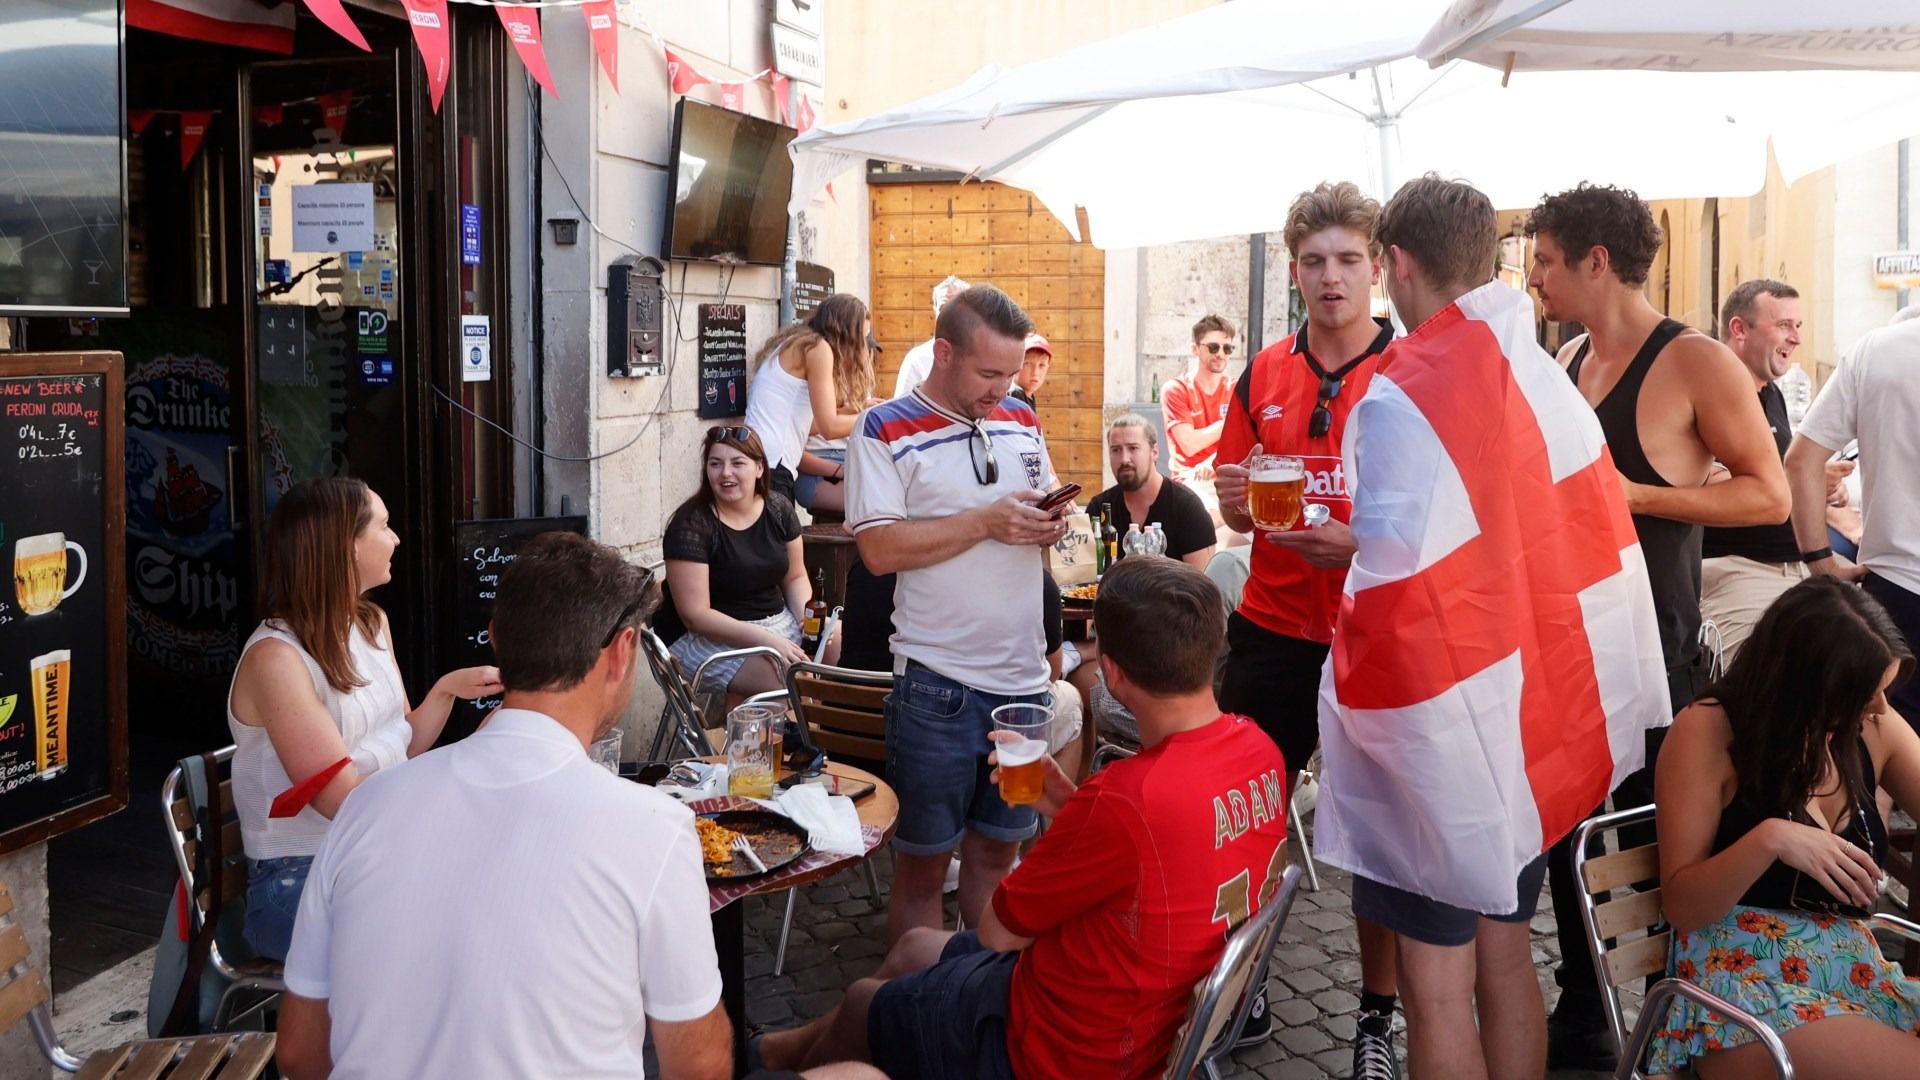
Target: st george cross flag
(1496, 664)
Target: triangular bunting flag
(681, 73)
(606, 37)
(269, 115)
(429, 21)
(138, 119)
(193, 128)
(806, 118)
(334, 110)
(780, 92)
(296, 798)
(335, 18)
(733, 96)
(523, 29)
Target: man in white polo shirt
(941, 490)
(504, 906)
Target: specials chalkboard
(482, 552)
(723, 360)
(63, 646)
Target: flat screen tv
(728, 184)
(63, 195)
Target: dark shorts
(937, 760)
(1275, 679)
(1432, 922)
(949, 1021)
(1904, 607)
(780, 479)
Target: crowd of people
(1540, 582)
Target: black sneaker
(1373, 1048)
(1259, 1021)
(1578, 1038)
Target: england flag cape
(1496, 663)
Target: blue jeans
(273, 899)
(949, 1021)
(937, 749)
(807, 484)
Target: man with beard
(1140, 494)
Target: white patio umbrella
(1208, 125)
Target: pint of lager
(51, 675)
(40, 572)
(1275, 488)
(1022, 759)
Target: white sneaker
(952, 883)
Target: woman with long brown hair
(813, 376)
(317, 683)
(1771, 840)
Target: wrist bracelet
(1816, 555)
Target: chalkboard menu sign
(482, 552)
(812, 284)
(723, 360)
(63, 644)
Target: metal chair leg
(786, 927)
(873, 882)
(1299, 831)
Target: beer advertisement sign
(63, 758)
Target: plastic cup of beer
(1276, 486)
(1023, 759)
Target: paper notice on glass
(332, 217)
(476, 349)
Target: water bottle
(1130, 544)
(1158, 538)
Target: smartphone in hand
(1059, 497)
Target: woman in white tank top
(812, 377)
(303, 698)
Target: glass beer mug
(1276, 486)
(753, 750)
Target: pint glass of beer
(1275, 488)
(52, 673)
(1023, 760)
(40, 571)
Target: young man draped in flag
(1496, 661)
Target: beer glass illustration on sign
(1275, 488)
(52, 674)
(40, 571)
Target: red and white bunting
(806, 117)
(269, 115)
(733, 95)
(603, 28)
(334, 110)
(335, 18)
(431, 34)
(138, 119)
(193, 128)
(681, 74)
(781, 86)
(523, 29)
(249, 24)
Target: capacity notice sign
(63, 652)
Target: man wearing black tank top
(1672, 401)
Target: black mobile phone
(1852, 453)
(1060, 496)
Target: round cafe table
(879, 808)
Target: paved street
(1313, 986)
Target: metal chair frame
(268, 986)
(1625, 915)
(682, 726)
(1202, 1044)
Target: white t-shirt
(914, 369)
(967, 618)
(504, 907)
(1874, 396)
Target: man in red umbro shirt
(1085, 963)
(1293, 399)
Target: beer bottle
(816, 614)
(1100, 540)
(1109, 536)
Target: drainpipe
(1256, 293)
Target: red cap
(1035, 341)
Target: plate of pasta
(776, 839)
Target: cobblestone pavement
(839, 934)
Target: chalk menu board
(482, 552)
(63, 648)
(812, 284)
(723, 360)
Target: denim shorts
(273, 899)
(949, 1021)
(807, 484)
(1428, 920)
(937, 761)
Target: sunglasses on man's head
(1216, 348)
(737, 432)
(1322, 420)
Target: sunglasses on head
(1216, 348)
(736, 432)
(1322, 420)
(625, 616)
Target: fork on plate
(741, 845)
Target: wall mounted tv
(63, 193)
(728, 184)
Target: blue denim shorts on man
(937, 761)
(1427, 920)
(949, 1021)
(273, 899)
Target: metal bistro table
(879, 811)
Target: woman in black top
(1770, 838)
(735, 568)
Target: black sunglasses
(1216, 348)
(1322, 420)
(620, 623)
(992, 473)
(738, 433)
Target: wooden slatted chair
(247, 976)
(1629, 939)
(844, 710)
(23, 996)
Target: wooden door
(998, 235)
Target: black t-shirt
(867, 625)
(745, 567)
(1761, 543)
(1180, 512)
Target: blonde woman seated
(1770, 840)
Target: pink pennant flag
(270, 115)
(335, 18)
(733, 96)
(523, 29)
(193, 128)
(138, 119)
(299, 796)
(606, 37)
(430, 33)
(681, 73)
(334, 109)
(806, 118)
(780, 91)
